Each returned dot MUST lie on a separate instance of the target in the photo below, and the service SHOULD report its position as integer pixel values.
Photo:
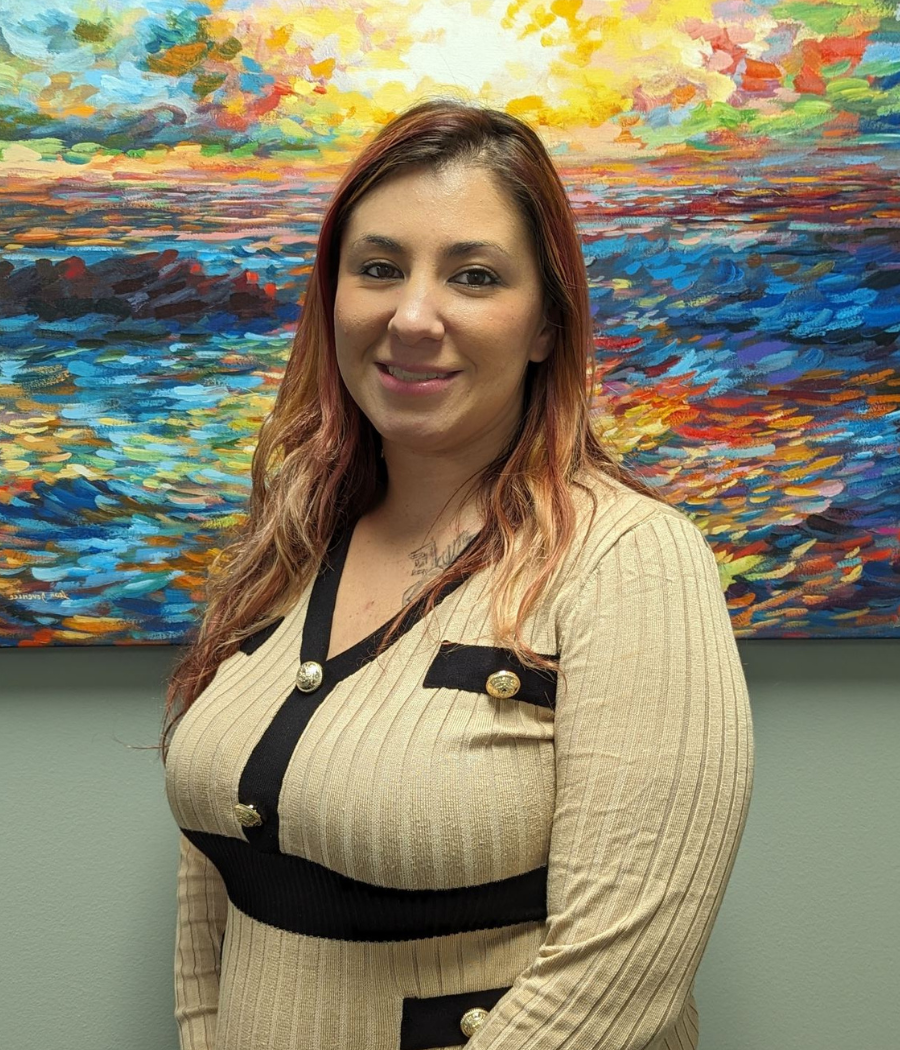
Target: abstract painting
(164, 165)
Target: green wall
(804, 955)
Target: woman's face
(439, 309)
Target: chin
(414, 438)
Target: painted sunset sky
(84, 78)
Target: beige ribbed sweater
(613, 811)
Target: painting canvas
(164, 166)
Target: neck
(429, 497)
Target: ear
(543, 344)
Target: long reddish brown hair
(316, 466)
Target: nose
(418, 314)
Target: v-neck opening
(264, 772)
(320, 614)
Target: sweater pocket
(440, 1021)
(491, 670)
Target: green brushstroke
(822, 18)
(857, 95)
(92, 32)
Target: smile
(401, 381)
(413, 377)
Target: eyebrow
(452, 251)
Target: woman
(463, 751)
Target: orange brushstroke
(325, 68)
(761, 70)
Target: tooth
(399, 373)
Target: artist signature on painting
(39, 596)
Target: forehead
(461, 200)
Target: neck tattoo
(429, 562)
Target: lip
(413, 387)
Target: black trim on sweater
(435, 1022)
(300, 896)
(260, 637)
(459, 666)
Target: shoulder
(610, 513)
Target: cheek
(517, 319)
(353, 322)
(343, 316)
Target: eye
(375, 266)
(489, 278)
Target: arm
(202, 906)
(654, 766)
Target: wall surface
(804, 955)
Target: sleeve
(202, 908)
(654, 770)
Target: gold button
(309, 677)
(247, 815)
(472, 1020)
(503, 684)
